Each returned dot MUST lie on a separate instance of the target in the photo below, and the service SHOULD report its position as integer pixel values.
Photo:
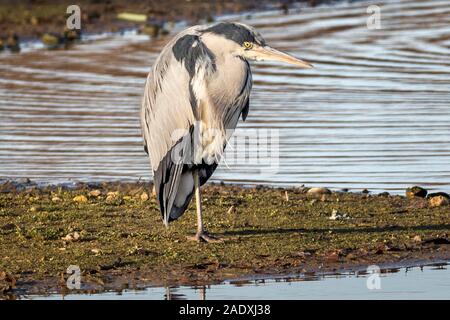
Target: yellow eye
(248, 45)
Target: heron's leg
(201, 233)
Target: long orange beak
(270, 54)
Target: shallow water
(373, 114)
(428, 282)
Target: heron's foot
(204, 236)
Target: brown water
(375, 113)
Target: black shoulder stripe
(189, 49)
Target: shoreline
(45, 22)
(130, 282)
(113, 232)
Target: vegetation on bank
(115, 229)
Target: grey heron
(198, 88)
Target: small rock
(435, 194)
(144, 196)
(56, 199)
(350, 256)
(318, 191)
(384, 194)
(73, 236)
(335, 215)
(96, 251)
(51, 40)
(34, 21)
(72, 35)
(80, 199)
(417, 239)
(365, 191)
(150, 30)
(438, 201)
(112, 196)
(416, 192)
(95, 193)
(12, 43)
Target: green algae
(264, 231)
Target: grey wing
(166, 117)
(167, 120)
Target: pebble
(416, 191)
(12, 43)
(73, 236)
(335, 215)
(438, 201)
(144, 196)
(80, 199)
(51, 40)
(318, 191)
(95, 193)
(111, 196)
(435, 194)
(56, 199)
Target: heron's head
(244, 41)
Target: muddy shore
(113, 232)
(29, 20)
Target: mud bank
(32, 19)
(113, 232)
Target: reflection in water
(373, 114)
(426, 282)
(171, 293)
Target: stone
(318, 191)
(73, 236)
(95, 193)
(144, 196)
(416, 191)
(438, 201)
(51, 40)
(335, 215)
(80, 199)
(435, 194)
